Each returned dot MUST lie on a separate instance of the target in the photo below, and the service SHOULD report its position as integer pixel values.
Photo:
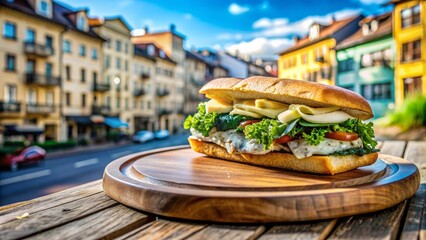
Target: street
(59, 173)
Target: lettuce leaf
(265, 131)
(201, 121)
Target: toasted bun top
(290, 92)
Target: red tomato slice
(283, 139)
(248, 122)
(342, 136)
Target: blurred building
(196, 69)
(409, 22)
(366, 62)
(214, 69)
(241, 67)
(31, 67)
(313, 57)
(170, 76)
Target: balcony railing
(38, 49)
(101, 109)
(163, 111)
(145, 75)
(139, 92)
(40, 108)
(10, 107)
(162, 92)
(101, 87)
(34, 78)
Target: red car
(32, 154)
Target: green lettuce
(265, 131)
(202, 121)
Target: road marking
(24, 177)
(86, 162)
(120, 154)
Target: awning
(22, 130)
(115, 122)
(80, 119)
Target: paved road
(63, 172)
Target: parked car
(32, 154)
(160, 134)
(143, 136)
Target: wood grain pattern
(219, 232)
(300, 231)
(413, 219)
(42, 220)
(123, 182)
(107, 224)
(164, 229)
(393, 148)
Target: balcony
(101, 87)
(10, 107)
(320, 59)
(163, 111)
(44, 80)
(101, 109)
(145, 75)
(139, 92)
(39, 50)
(40, 108)
(162, 92)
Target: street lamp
(117, 81)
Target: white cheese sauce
(302, 149)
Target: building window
(118, 45)
(108, 42)
(107, 61)
(149, 105)
(411, 51)
(49, 69)
(10, 93)
(68, 72)
(32, 96)
(83, 100)
(151, 50)
(412, 85)
(126, 47)
(49, 41)
(410, 16)
(49, 98)
(126, 65)
(44, 8)
(95, 76)
(304, 58)
(314, 32)
(68, 99)
(126, 103)
(83, 75)
(94, 54)
(346, 65)
(10, 62)
(81, 22)
(30, 36)
(30, 67)
(378, 58)
(376, 91)
(67, 46)
(118, 102)
(118, 63)
(9, 30)
(82, 50)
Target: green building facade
(365, 63)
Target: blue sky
(258, 28)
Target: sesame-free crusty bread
(290, 92)
(314, 164)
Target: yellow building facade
(313, 57)
(409, 26)
(30, 72)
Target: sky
(259, 28)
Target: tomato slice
(283, 139)
(342, 136)
(244, 124)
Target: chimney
(146, 29)
(333, 18)
(172, 28)
(296, 39)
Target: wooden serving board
(178, 182)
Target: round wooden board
(178, 182)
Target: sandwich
(282, 123)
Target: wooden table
(85, 212)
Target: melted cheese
(218, 106)
(301, 148)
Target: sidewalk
(94, 147)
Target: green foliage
(14, 144)
(265, 131)
(412, 113)
(201, 121)
(54, 145)
(226, 121)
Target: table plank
(310, 230)
(107, 224)
(394, 148)
(164, 229)
(55, 216)
(228, 232)
(9, 213)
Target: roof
(326, 31)
(194, 56)
(96, 22)
(384, 29)
(180, 35)
(144, 47)
(24, 7)
(142, 52)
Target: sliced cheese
(314, 115)
(245, 113)
(218, 107)
(288, 116)
(265, 103)
(271, 113)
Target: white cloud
(260, 46)
(187, 16)
(138, 32)
(268, 23)
(370, 2)
(236, 9)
